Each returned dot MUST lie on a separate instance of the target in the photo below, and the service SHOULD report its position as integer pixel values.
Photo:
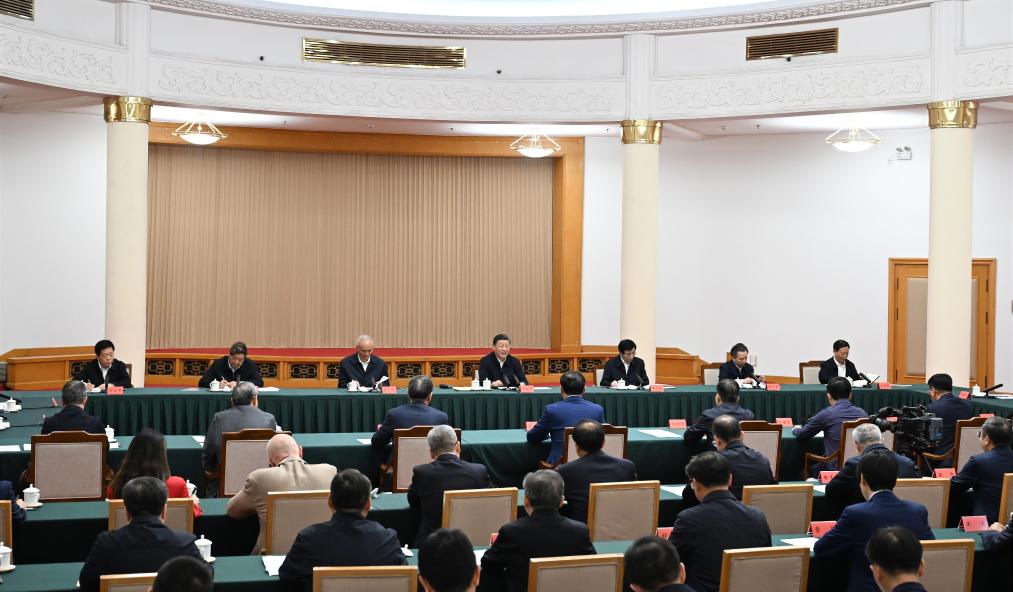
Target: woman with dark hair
(147, 457)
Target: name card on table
(773, 386)
(986, 415)
(827, 476)
(388, 390)
(676, 423)
(944, 473)
(965, 394)
(492, 538)
(784, 421)
(664, 532)
(657, 388)
(527, 388)
(818, 529)
(114, 390)
(974, 524)
(528, 425)
(884, 386)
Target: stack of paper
(676, 489)
(820, 488)
(199, 440)
(10, 448)
(809, 542)
(657, 433)
(272, 563)
(365, 441)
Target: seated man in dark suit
(416, 413)
(105, 369)
(543, 533)
(726, 402)
(983, 473)
(232, 369)
(144, 544)
(447, 562)
(843, 490)
(499, 367)
(895, 557)
(591, 466)
(652, 565)
(447, 472)
(243, 414)
(626, 367)
(748, 466)
(948, 407)
(839, 364)
(362, 368)
(347, 539)
(564, 414)
(702, 533)
(72, 417)
(738, 368)
(829, 420)
(998, 537)
(184, 574)
(18, 513)
(847, 539)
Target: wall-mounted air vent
(376, 54)
(787, 45)
(20, 8)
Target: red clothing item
(177, 489)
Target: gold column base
(641, 131)
(127, 109)
(953, 114)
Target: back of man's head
(447, 561)
(726, 427)
(839, 388)
(588, 435)
(651, 563)
(145, 496)
(419, 388)
(442, 440)
(728, 391)
(280, 447)
(879, 469)
(74, 393)
(941, 382)
(543, 490)
(184, 574)
(998, 431)
(350, 491)
(867, 434)
(895, 550)
(709, 469)
(572, 383)
(243, 394)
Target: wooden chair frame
(273, 497)
(809, 364)
(75, 437)
(414, 432)
(172, 502)
(714, 366)
(134, 579)
(576, 561)
(608, 428)
(967, 544)
(753, 425)
(837, 455)
(409, 571)
(923, 481)
(449, 496)
(592, 498)
(8, 513)
(246, 434)
(732, 554)
(954, 453)
(749, 490)
(1004, 500)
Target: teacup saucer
(33, 506)
(4, 570)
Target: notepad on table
(272, 563)
(365, 441)
(660, 433)
(268, 389)
(820, 488)
(809, 542)
(199, 440)
(27, 447)
(10, 448)
(675, 489)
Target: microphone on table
(988, 391)
(445, 386)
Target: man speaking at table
(361, 368)
(626, 367)
(738, 368)
(839, 364)
(232, 369)
(105, 369)
(499, 367)
(565, 414)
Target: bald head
(280, 447)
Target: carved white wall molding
(184, 79)
(585, 26)
(985, 71)
(54, 60)
(865, 85)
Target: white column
(127, 228)
(637, 311)
(948, 332)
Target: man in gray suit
(242, 415)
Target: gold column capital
(641, 131)
(128, 109)
(953, 114)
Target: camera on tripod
(915, 431)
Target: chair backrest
(598, 373)
(709, 373)
(242, 453)
(788, 508)
(70, 466)
(776, 569)
(848, 448)
(949, 564)
(178, 514)
(400, 578)
(1006, 501)
(288, 512)
(809, 372)
(479, 512)
(615, 442)
(932, 493)
(6, 523)
(587, 573)
(410, 450)
(136, 582)
(623, 511)
(764, 438)
(965, 440)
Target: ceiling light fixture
(854, 139)
(535, 145)
(199, 132)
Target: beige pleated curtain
(284, 249)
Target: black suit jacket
(407, 416)
(828, 370)
(730, 370)
(429, 481)
(615, 370)
(543, 534)
(117, 374)
(983, 473)
(139, 547)
(702, 533)
(511, 374)
(351, 369)
(219, 369)
(702, 426)
(71, 419)
(594, 467)
(843, 489)
(749, 467)
(951, 409)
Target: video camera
(915, 431)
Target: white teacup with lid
(204, 546)
(110, 434)
(5, 557)
(215, 385)
(31, 494)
